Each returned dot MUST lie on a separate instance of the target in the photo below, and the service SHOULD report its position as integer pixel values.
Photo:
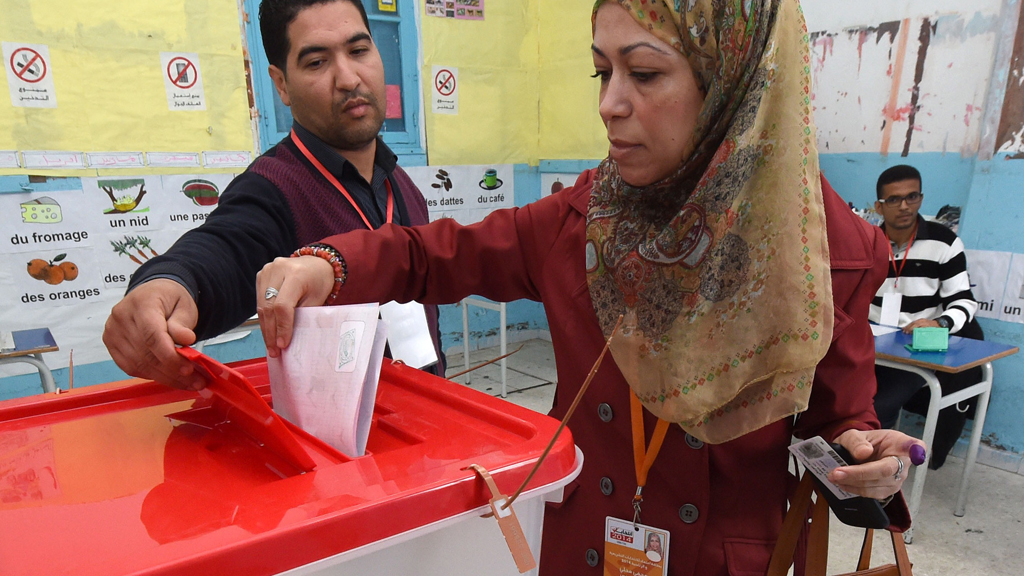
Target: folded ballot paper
(325, 382)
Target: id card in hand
(628, 550)
(818, 457)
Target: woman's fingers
(283, 285)
(857, 443)
(267, 292)
(885, 458)
(875, 479)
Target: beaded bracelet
(336, 261)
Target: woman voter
(742, 278)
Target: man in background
(326, 68)
(928, 279)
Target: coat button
(604, 411)
(606, 486)
(688, 513)
(592, 558)
(694, 442)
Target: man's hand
(144, 327)
(877, 452)
(922, 323)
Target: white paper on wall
(466, 193)
(1013, 296)
(988, 271)
(107, 228)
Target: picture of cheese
(43, 210)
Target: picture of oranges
(38, 269)
(53, 272)
(70, 270)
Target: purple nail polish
(917, 454)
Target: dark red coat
(723, 504)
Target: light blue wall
(991, 194)
(946, 178)
(993, 220)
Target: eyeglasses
(912, 199)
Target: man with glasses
(927, 286)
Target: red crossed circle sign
(28, 65)
(444, 81)
(182, 73)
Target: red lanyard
(643, 458)
(330, 178)
(892, 258)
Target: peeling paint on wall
(866, 98)
(923, 40)
(1010, 137)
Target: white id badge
(892, 303)
(408, 333)
(634, 550)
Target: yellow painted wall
(570, 127)
(524, 88)
(109, 79)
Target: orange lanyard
(643, 458)
(330, 178)
(892, 258)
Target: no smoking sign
(445, 82)
(28, 65)
(29, 75)
(445, 98)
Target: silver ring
(272, 292)
(899, 470)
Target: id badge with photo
(634, 550)
(892, 303)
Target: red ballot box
(136, 478)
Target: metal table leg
(972, 449)
(921, 472)
(45, 376)
(936, 403)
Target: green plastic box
(930, 340)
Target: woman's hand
(289, 282)
(877, 452)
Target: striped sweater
(934, 280)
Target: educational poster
(29, 75)
(988, 271)
(68, 255)
(469, 9)
(1013, 296)
(554, 182)
(456, 9)
(466, 193)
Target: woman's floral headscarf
(722, 269)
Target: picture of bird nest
(125, 195)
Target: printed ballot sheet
(325, 382)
